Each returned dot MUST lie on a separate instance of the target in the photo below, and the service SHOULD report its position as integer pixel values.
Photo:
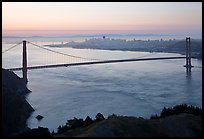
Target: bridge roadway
(96, 62)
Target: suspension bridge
(88, 61)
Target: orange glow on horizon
(49, 18)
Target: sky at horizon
(64, 18)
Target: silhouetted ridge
(183, 108)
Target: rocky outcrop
(15, 109)
(14, 83)
(39, 117)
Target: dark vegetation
(166, 112)
(183, 108)
(76, 123)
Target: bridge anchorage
(188, 55)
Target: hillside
(179, 121)
(15, 109)
(182, 125)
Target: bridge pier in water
(24, 69)
(188, 55)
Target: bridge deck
(95, 62)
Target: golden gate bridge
(89, 61)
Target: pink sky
(33, 18)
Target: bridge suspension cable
(12, 47)
(62, 53)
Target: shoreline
(162, 46)
(127, 50)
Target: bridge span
(96, 62)
(24, 67)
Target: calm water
(132, 88)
